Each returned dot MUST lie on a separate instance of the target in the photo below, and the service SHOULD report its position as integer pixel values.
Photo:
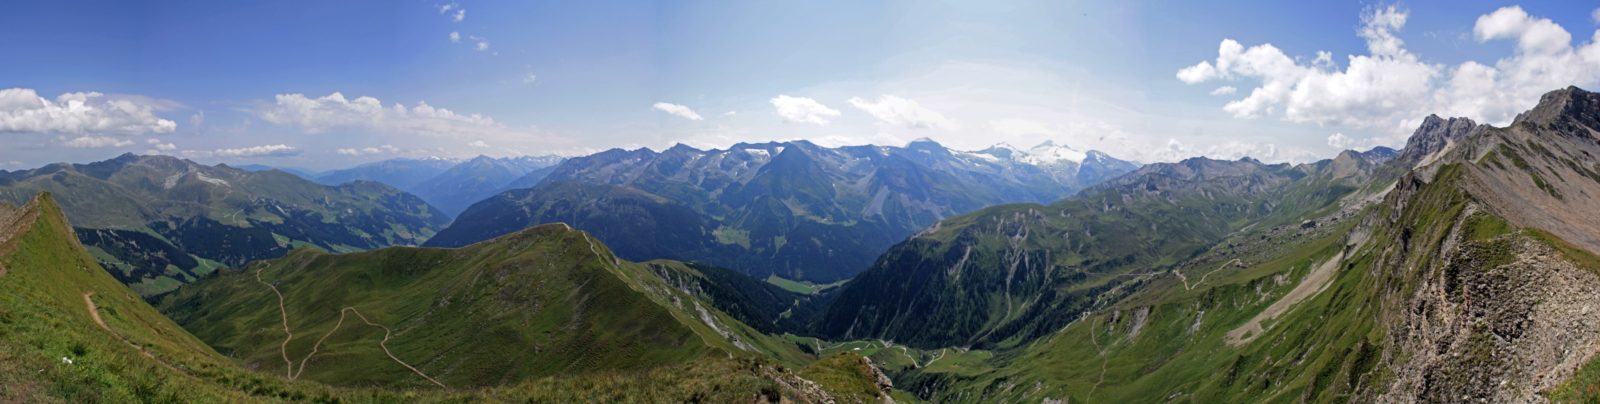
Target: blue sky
(251, 82)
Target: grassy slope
(1030, 263)
(43, 318)
(533, 304)
(1327, 348)
(133, 194)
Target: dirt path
(288, 368)
(94, 312)
(290, 371)
(318, 345)
(1101, 352)
(385, 345)
(1202, 280)
(1314, 282)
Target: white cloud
(1374, 90)
(274, 150)
(460, 13)
(455, 37)
(95, 142)
(479, 144)
(385, 149)
(529, 78)
(730, 113)
(157, 147)
(1224, 90)
(1234, 150)
(803, 110)
(418, 129)
(334, 111)
(1339, 141)
(679, 110)
(1595, 15)
(899, 111)
(1391, 88)
(22, 110)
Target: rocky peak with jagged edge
(1434, 135)
(1566, 109)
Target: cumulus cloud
(455, 37)
(334, 111)
(481, 45)
(95, 142)
(1339, 140)
(678, 110)
(1373, 90)
(274, 150)
(1224, 90)
(899, 111)
(156, 147)
(385, 149)
(803, 110)
(1390, 88)
(22, 110)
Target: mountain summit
(794, 209)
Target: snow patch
(213, 181)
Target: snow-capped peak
(1050, 153)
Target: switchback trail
(291, 372)
(1185, 279)
(283, 348)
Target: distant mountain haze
(793, 209)
(449, 185)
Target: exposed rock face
(1544, 170)
(885, 385)
(1501, 331)
(1434, 134)
(1569, 106)
(1502, 318)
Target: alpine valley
(1458, 268)
(820, 201)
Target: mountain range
(1449, 271)
(157, 221)
(791, 209)
(1459, 268)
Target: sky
(321, 85)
